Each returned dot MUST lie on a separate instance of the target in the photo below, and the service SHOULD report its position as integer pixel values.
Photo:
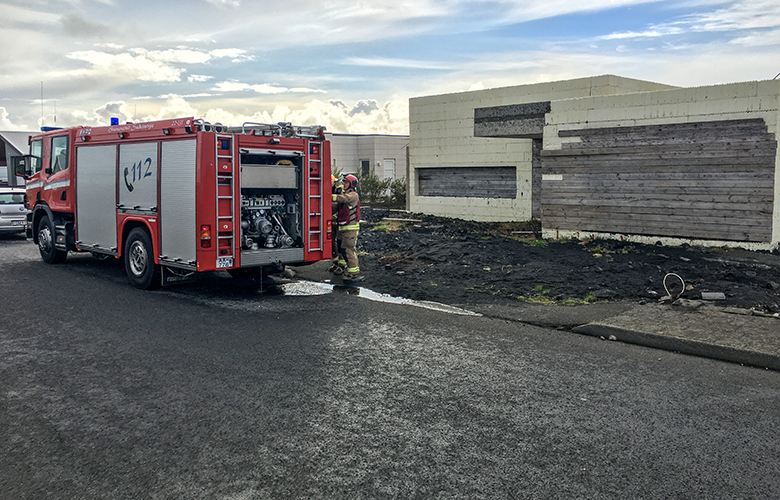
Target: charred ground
(462, 262)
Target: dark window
(468, 182)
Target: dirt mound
(463, 262)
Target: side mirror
(22, 166)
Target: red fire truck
(177, 197)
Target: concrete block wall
(712, 103)
(442, 135)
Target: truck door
(56, 186)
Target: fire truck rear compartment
(271, 227)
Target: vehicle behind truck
(173, 198)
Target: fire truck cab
(176, 197)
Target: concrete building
(605, 156)
(12, 144)
(384, 155)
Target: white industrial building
(12, 143)
(384, 155)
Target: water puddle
(311, 288)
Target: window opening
(59, 153)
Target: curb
(684, 346)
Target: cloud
(184, 56)
(336, 116)
(124, 65)
(396, 63)
(736, 16)
(77, 26)
(199, 78)
(5, 122)
(762, 38)
(116, 109)
(263, 88)
(235, 55)
(225, 3)
(364, 107)
(739, 15)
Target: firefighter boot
(352, 278)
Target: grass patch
(388, 226)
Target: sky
(351, 66)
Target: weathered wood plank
(747, 126)
(699, 210)
(668, 150)
(741, 204)
(669, 227)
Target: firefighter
(348, 218)
(338, 264)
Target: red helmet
(350, 182)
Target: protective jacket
(348, 210)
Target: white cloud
(650, 33)
(392, 117)
(736, 16)
(235, 55)
(123, 65)
(199, 78)
(396, 63)
(225, 3)
(5, 122)
(759, 39)
(740, 15)
(185, 56)
(175, 107)
(263, 88)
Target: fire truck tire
(49, 253)
(141, 270)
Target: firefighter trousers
(337, 253)
(348, 244)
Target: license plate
(17, 223)
(224, 262)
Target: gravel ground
(462, 262)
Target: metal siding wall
(177, 200)
(96, 196)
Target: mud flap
(173, 276)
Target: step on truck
(173, 198)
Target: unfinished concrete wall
(442, 136)
(697, 165)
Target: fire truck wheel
(49, 253)
(141, 270)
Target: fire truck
(173, 198)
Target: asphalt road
(217, 390)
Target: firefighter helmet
(350, 182)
